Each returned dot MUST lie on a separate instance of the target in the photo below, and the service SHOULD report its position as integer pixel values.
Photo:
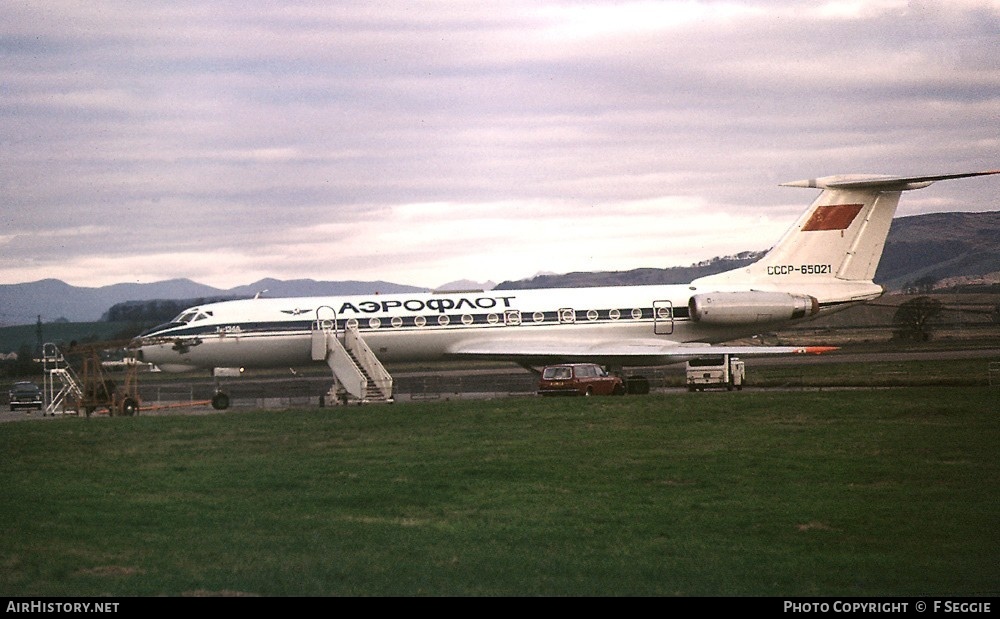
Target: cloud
(225, 141)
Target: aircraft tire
(129, 407)
(638, 385)
(220, 401)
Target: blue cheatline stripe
(435, 321)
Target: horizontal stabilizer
(880, 182)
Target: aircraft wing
(616, 352)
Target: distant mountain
(635, 277)
(54, 300)
(466, 284)
(940, 246)
(276, 288)
(937, 246)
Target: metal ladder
(60, 383)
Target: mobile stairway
(66, 391)
(357, 372)
(60, 386)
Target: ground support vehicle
(89, 389)
(584, 379)
(25, 395)
(98, 391)
(716, 371)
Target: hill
(634, 277)
(941, 247)
(949, 248)
(54, 300)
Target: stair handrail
(55, 366)
(367, 360)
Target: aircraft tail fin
(840, 237)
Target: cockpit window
(192, 316)
(185, 317)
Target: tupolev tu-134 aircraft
(823, 263)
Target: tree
(916, 319)
(21, 365)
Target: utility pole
(38, 337)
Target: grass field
(853, 492)
(878, 373)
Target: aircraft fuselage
(436, 326)
(825, 261)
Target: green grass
(873, 492)
(912, 373)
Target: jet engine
(740, 308)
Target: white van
(715, 371)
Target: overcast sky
(424, 142)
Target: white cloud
(226, 142)
(857, 9)
(575, 21)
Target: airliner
(825, 262)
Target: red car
(579, 379)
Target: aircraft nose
(154, 330)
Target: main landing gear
(220, 401)
(634, 385)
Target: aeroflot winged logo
(832, 217)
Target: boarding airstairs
(357, 372)
(61, 386)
